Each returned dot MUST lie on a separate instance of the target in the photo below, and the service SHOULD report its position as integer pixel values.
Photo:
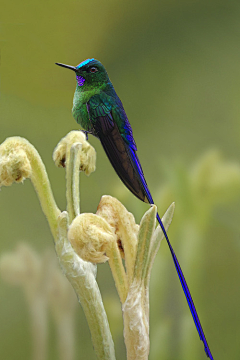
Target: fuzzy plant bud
(94, 240)
(90, 237)
(14, 163)
(87, 154)
(121, 221)
(124, 226)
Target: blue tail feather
(139, 172)
(187, 293)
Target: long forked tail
(187, 293)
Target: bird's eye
(93, 69)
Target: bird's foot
(86, 133)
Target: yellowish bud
(122, 222)
(87, 154)
(14, 163)
(91, 236)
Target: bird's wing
(112, 127)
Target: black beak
(67, 66)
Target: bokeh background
(176, 67)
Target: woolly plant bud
(87, 154)
(121, 221)
(91, 237)
(14, 163)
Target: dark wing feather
(119, 149)
(117, 152)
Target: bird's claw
(86, 133)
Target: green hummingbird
(99, 111)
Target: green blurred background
(176, 67)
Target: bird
(99, 111)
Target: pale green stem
(42, 185)
(81, 275)
(72, 180)
(129, 251)
(118, 271)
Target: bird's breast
(79, 109)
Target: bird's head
(89, 73)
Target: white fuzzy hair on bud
(14, 163)
(90, 236)
(87, 155)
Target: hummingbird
(99, 111)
